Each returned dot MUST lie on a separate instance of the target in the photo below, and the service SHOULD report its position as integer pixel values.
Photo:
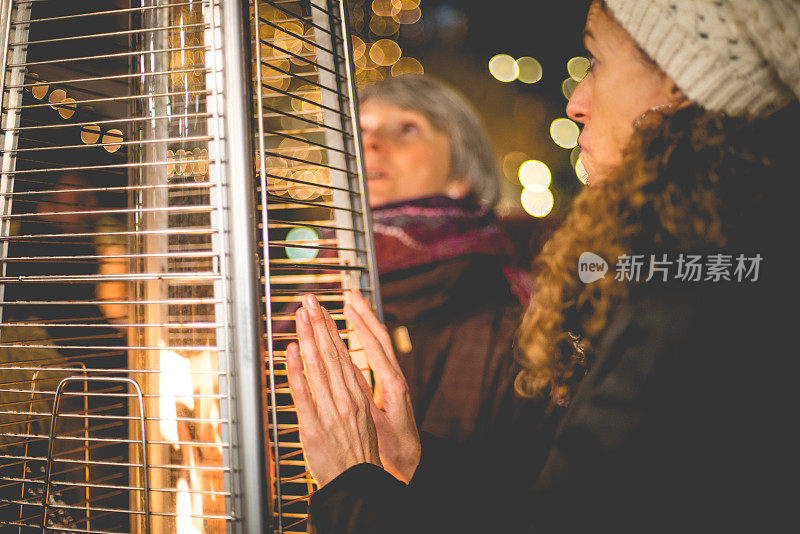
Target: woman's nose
(372, 142)
(578, 105)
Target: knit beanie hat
(736, 56)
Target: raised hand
(333, 408)
(398, 439)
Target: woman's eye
(409, 128)
(592, 64)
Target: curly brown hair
(691, 182)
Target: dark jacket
(673, 429)
(459, 319)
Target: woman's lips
(376, 174)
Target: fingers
(349, 370)
(366, 388)
(376, 328)
(390, 384)
(301, 393)
(329, 344)
(321, 384)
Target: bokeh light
(90, 133)
(568, 87)
(302, 234)
(530, 70)
(366, 77)
(580, 171)
(68, 108)
(574, 155)
(504, 68)
(39, 90)
(359, 48)
(534, 175)
(385, 52)
(57, 97)
(511, 163)
(113, 140)
(407, 65)
(577, 68)
(386, 8)
(408, 16)
(383, 26)
(564, 133)
(537, 203)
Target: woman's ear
(677, 99)
(457, 189)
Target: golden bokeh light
(537, 203)
(408, 16)
(577, 68)
(530, 70)
(366, 77)
(90, 133)
(170, 163)
(564, 133)
(504, 68)
(276, 171)
(201, 161)
(57, 97)
(274, 77)
(285, 40)
(309, 40)
(534, 175)
(386, 8)
(383, 26)
(302, 191)
(67, 108)
(39, 90)
(113, 140)
(407, 65)
(359, 48)
(385, 52)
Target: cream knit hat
(736, 56)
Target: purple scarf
(427, 230)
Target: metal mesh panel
(313, 212)
(128, 209)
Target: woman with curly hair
(673, 369)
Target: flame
(184, 523)
(175, 385)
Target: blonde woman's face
(404, 155)
(619, 87)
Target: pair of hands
(342, 422)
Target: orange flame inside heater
(189, 418)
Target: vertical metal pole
(275, 485)
(366, 212)
(249, 471)
(10, 119)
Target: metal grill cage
(175, 175)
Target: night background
(456, 41)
